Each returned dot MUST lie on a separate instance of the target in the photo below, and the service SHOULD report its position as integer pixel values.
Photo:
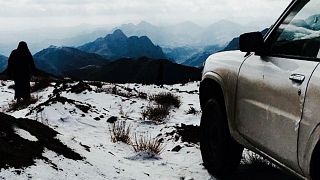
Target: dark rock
(87, 148)
(170, 133)
(18, 152)
(112, 119)
(189, 133)
(111, 153)
(176, 137)
(80, 87)
(97, 118)
(177, 148)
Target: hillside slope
(142, 70)
(57, 60)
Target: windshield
(299, 34)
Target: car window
(299, 33)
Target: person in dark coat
(20, 69)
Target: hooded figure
(20, 68)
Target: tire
(315, 163)
(220, 153)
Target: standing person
(20, 69)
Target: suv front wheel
(220, 153)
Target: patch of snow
(24, 134)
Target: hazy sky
(45, 22)
(17, 14)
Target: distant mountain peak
(144, 24)
(52, 46)
(146, 39)
(118, 45)
(118, 34)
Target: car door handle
(298, 78)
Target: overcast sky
(17, 14)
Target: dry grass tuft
(147, 144)
(166, 99)
(120, 132)
(155, 113)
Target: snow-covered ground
(89, 134)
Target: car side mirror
(251, 42)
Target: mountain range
(187, 33)
(58, 60)
(181, 54)
(234, 43)
(117, 45)
(115, 58)
(131, 56)
(197, 59)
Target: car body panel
(309, 130)
(269, 105)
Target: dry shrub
(121, 91)
(114, 90)
(124, 94)
(147, 144)
(40, 85)
(155, 113)
(142, 95)
(98, 84)
(193, 111)
(103, 90)
(166, 99)
(120, 132)
(15, 106)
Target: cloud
(73, 12)
(34, 8)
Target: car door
(271, 87)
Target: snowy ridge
(86, 131)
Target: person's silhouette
(20, 68)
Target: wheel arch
(211, 86)
(212, 82)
